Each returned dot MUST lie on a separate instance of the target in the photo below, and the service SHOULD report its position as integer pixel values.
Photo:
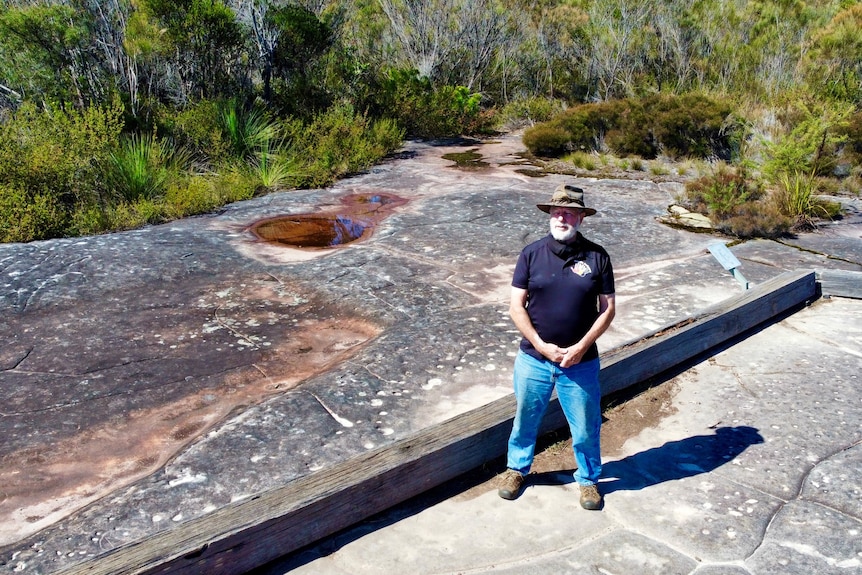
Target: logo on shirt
(581, 269)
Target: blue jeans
(580, 398)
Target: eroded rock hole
(353, 221)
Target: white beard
(564, 235)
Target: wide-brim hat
(567, 196)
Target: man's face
(565, 222)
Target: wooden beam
(250, 533)
(840, 283)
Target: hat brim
(547, 208)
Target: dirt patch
(621, 423)
(624, 419)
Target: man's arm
(607, 311)
(518, 312)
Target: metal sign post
(729, 262)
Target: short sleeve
(607, 276)
(521, 278)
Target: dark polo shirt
(563, 282)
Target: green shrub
(272, 169)
(191, 196)
(89, 220)
(60, 153)
(26, 217)
(584, 126)
(248, 130)
(547, 140)
(427, 111)
(202, 194)
(851, 134)
(199, 128)
(139, 168)
(818, 129)
(627, 128)
(233, 186)
(795, 197)
(338, 142)
(120, 216)
(721, 193)
(691, 125)
(631, 142)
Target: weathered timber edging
(840, 283)
(250, 533)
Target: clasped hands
(565, 356)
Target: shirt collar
(565, 251)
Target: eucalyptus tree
(448, 41)
(617, 46)
(207, 48)
(46, 55)
(421, 29)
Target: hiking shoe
(510, 484)
(590, 497)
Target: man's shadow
(673, 460)
(678, 459)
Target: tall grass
(139, 168)
(248, 130)
(258, 145)
(796, 197)
(273, 168)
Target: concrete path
(153, 376)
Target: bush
(248, 130)
(627, 128)
(426, 111)
(720, 194)
(795, 197)
(139, 168)
(198, 128)
(528, 111)
(339, 142)
(26, 217)
(756, 220)
(851, 133)
(51, 163)
(60, 153)
(691, 125)
(810, 146)
(681, 126)
(191, 196)
(547, 140)
(584, 125)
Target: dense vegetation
(115, 113)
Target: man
(562, 301)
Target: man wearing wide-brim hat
(562, 301)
